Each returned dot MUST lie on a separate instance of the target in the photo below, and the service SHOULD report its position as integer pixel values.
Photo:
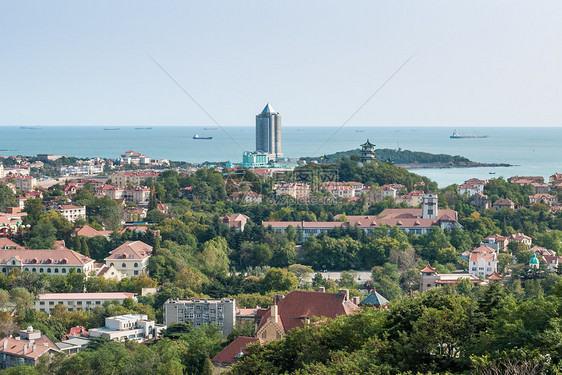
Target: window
(56, 270)
(27, 269)
(64, 270)
(189, 316)
(48, 270)
(78, 270)
(110, 264)
(136, 265)
(40, 270)
(123, 265)
(219, 308)
(4, 269)
(198, 315)
(34, 270)
(136, 272)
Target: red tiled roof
(70, 256)
(88, 231)
(7, 243)
(488, 257)
(300, 304)
(131, 250)
(230, 354)
(483, 249)
(16, 347)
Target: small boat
(143, 128)
(111, 129)
(457, 135)
(197, 136)
(30, 127)
(491, 172)
(210, 128)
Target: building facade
(131, 258)
(135, 327)
(47, 302)
(268, 133)
(53, 262)
(72, 212)
(202, 311)
(25, 349)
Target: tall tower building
(268, 132)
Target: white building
(131, 258)
(201, 312)
(132, 157)
(123, 179)
(471, 187)
(72, 212)
(134, 327)
(47, 302)
(483, 261)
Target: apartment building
(47, 302)
(202, 311)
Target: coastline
(452, 165)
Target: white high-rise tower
(268, 132)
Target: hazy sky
(476, 63)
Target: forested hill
(406, 157)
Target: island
(409, 159)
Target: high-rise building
(268, 133)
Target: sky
(475, 63)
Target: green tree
(7, 198)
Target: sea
(533, 151)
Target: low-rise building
(131, 258)
(133, 157)
(496, 242)
(237, 221)
(481, 201)
(47, 302)
(551, 200)
(298, 308)
(521, 238)
(25, 349)
(22, 182)
(297, 190)
(124, 179)
(412, 199)
(483, 261)
(471, 187)
(134, 327)
(233, 351)
(72, 212)
(503, 203)
(429, 278)
(201, 312)
(53, 262)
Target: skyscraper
(268, 132)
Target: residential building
(133, 157)
(255, 159)
(131, 258)
(268, 133)
(496, 242)
(47, 302)
(429, 278)
(411, 220)
(298, 308)
(483, 261)
(549, 256)
(25, 349)
(89, 169)
(124, 179)
(53, 262)
(521, 238)
(233, 351)
(540, 188)
(297, 190)
(136, 194)
(374, 299)
(526, 180)
(412, 199)
(471, 187)
(341, 189)
(480, 201)
(49, 157)
(72, 212)
(551, 200)
(134, 327)
(88, 231)
(503, 203)
(200, 312)
(21, 182)
(237, 221)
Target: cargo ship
(197, 136)
(457, 135)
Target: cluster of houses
(474, 189)
(411, 220)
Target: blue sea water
(533, 151)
